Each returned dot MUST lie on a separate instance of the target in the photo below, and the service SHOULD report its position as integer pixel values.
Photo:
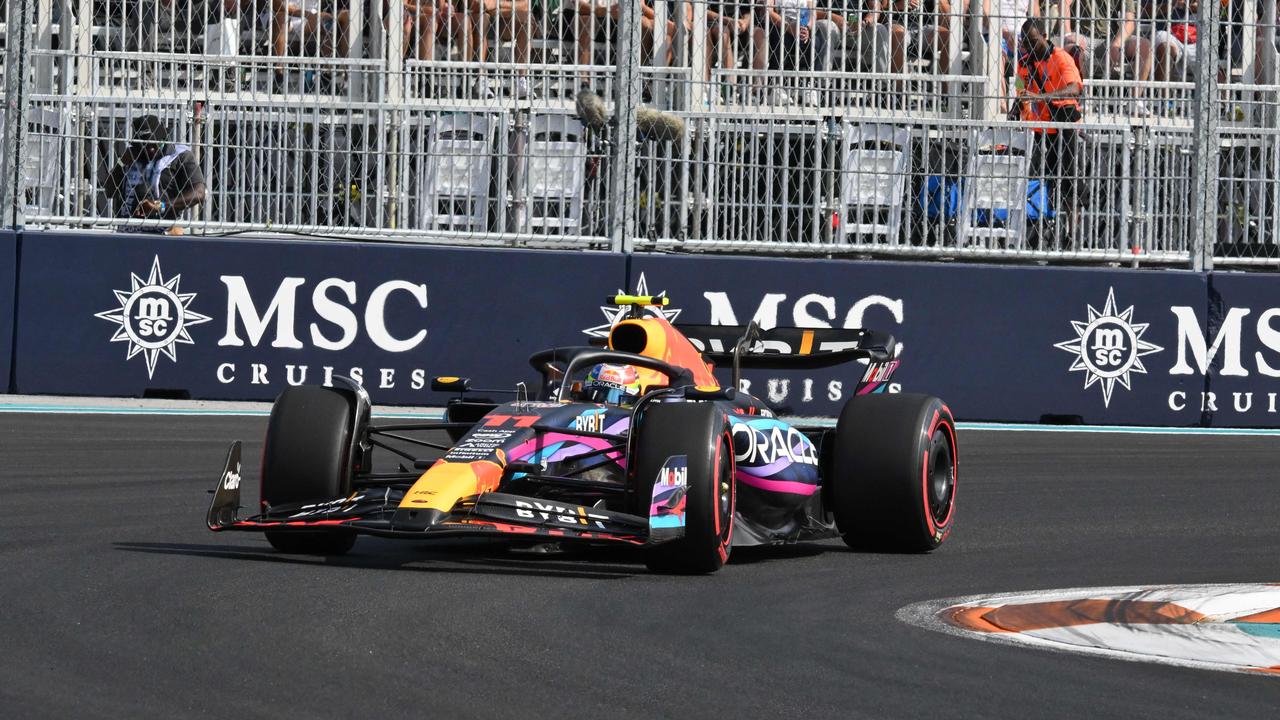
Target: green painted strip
(1265, 630)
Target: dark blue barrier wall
(998, 343)
(1240, 351)
(237, 319)
(8, 290)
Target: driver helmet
(612, 384)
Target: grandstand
(877, 127)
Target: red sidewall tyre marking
(723, 547)
(937, 528)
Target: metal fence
(879, 127)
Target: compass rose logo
(1108, 347)
(153, 317)
(614, 314)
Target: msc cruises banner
(1007, 343)
(242, 319)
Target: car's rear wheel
(894, 472)
(699, 433)
(307, 458)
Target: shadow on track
(477, 558)
(752, 555)
(473, 559)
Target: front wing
(374, 512)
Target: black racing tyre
(306, 457)
(700, 432)
(894, 472)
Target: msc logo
(153, 317)
(1108, 347)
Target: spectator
(428, 21)
(511, 20)
(1173, 34)
(298, 24)
(1011, 14)
(918, 31)
(737, 27)
(1050, 92)
(598, 24)
(155, 17)
(154, 179)
(1100, 35)
(865, 29)
(915, 30)
(733, 26)
(798, 40)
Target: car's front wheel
(690, 440)
(307, 457)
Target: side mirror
(447, 383)
(709, 393)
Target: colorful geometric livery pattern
(771, 455)
(553, 447)
(670, 488)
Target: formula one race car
(647, 449)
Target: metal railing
(870, 127)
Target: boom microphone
(657, 125)
(650, 124)
(592, 110)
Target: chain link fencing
(934, 128)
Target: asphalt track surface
(116, 602)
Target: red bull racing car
(635, 442)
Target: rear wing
(786, 348)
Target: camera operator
(154, 179)
(1050, 88)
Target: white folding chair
(556, 175)
(993, 202)
(873, 181)
(459, 170)
(42, 160)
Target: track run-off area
(117, 602)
